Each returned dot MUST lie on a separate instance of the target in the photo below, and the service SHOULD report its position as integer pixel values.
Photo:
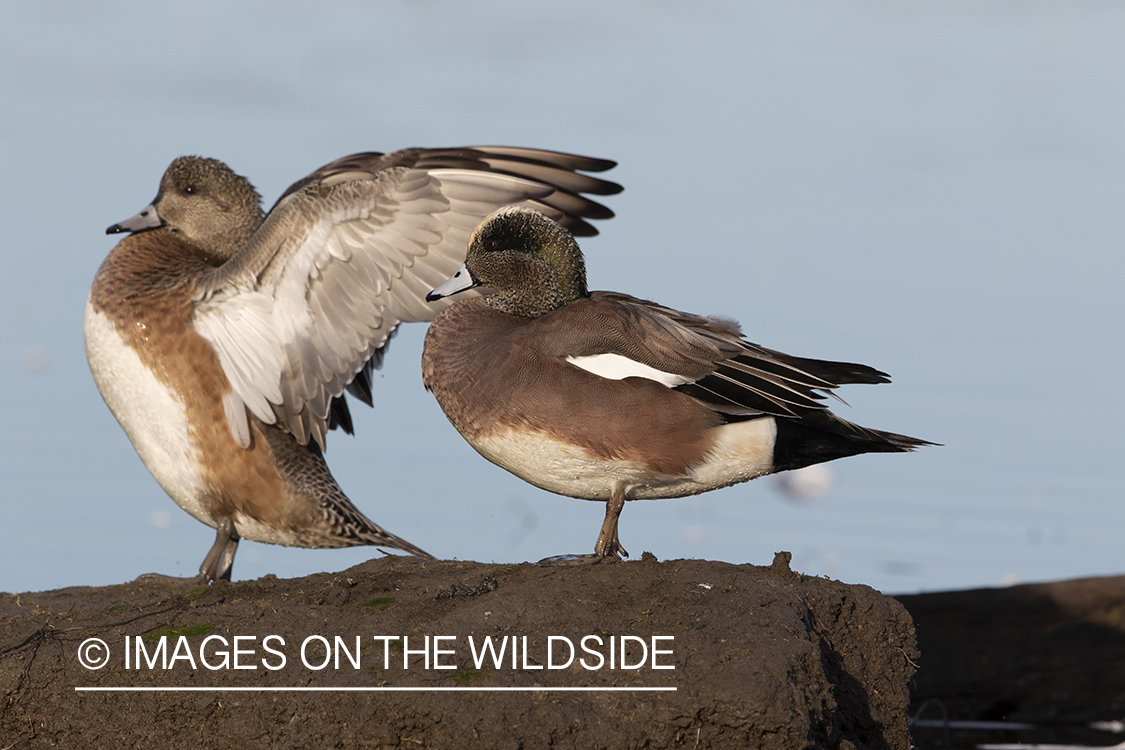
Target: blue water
(934, 190)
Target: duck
(601, 396)
(226, 340)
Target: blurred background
(931, 189)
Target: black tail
(822, 436)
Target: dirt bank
(757, 657)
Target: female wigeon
(222, 338)
(603, 396)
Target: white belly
(151, 414)
(743, 451)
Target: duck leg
(220, 558)
(216, 565)
(608, 544)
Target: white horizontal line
(387, 689)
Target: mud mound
(683, 653)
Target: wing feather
(346, 254)
(726, 372)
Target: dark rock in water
(758, 657)
(1049, 655)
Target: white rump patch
(742, 451)
(618, 367)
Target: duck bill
(459, 282)
(148, 218)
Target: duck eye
(492, 244)
(189, 190)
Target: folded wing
(705, 358)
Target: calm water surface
(933, 190)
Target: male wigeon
(222, 338)
(603, 396)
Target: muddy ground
(762, 657)
(757, 656)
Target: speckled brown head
(533, 263)
(211, 206)
(205, 203)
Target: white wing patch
(242, 329)
(618, 367)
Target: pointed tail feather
(822, 436)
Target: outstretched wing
(348, 253)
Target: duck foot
(608, 546)
(587, 559)
(167, 580)
(216, 565)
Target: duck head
(204, 202)
(531, 263)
